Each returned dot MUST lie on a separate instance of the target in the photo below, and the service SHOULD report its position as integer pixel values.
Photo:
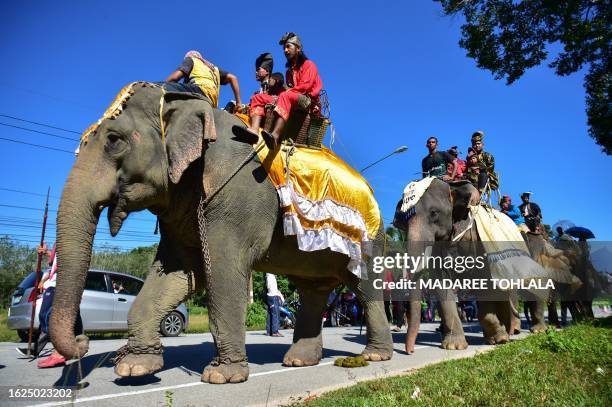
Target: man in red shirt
(304, 84)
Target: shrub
(256, 315)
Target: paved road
(269, 383)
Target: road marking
(177, 386)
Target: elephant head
(440, 212)
(128, 161)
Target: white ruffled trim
(321, 210)
(326, 238)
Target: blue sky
(394, 75)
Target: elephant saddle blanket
(326, 204)
(507, 252)
(411, 196)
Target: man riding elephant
(304, 88)
(201, 76)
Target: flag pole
(38, 273)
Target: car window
(125, 285)
(96, 282)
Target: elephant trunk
(77, 218)
(419, 238)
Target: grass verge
(572, 367)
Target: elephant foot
(497, 339)
(538, 328)
(454, 342)
(409, 345)
(133, 365)
(377, 354)
(223, 372)
(305, 352)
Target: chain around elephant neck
(203, 236)
(205, 199)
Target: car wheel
(23, 335)
(172, 324)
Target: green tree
(395, 234)
(16, 262)
(507, 37)
(136, 262)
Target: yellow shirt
(207, 78)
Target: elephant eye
(115, 143)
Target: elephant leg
(553, 315)
(307, 347)
(166, 286)
(413, 314)
(515, 325)
(227, 288)
(453, 337)
(380, 342)
(575, 311)
(493, 330)
(503, 310)
(587, 307)
(537, 316)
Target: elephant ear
(188, 122)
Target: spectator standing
(275, 299)
(47, 284)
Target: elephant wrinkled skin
(125, 166)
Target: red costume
(302, 81)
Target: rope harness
(460, 235)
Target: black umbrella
(580, 233)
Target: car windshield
(29, 280)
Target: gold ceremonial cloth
(320, 175)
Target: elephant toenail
(237, 378)
(217, 378)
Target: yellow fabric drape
(207, 79)
(319, 175)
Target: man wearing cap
(270, 83)
(304, 88)
(200, 76)
(531, 211)
(485, 160)
(456, 169)
(436, 162)
(263, 69)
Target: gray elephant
(440, 214)
(150, 154)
